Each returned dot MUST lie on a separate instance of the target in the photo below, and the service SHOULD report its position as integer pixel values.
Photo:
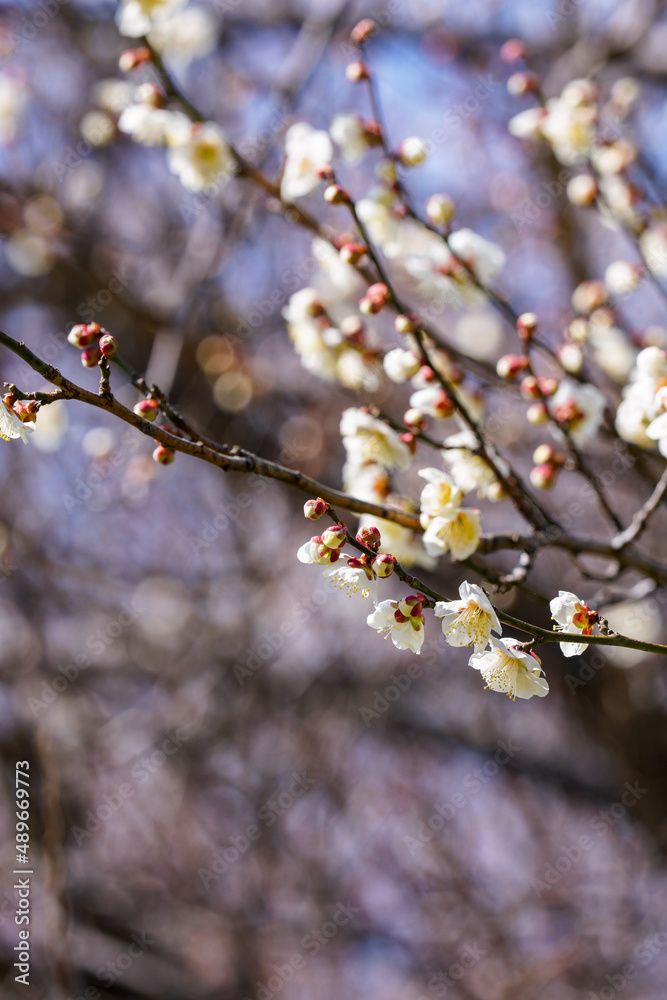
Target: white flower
(653, 245)
(657, 431)
(579, 407)
(383, 226)
(439, 497)
(11, 426)
(527, 124)
(470, 620)
(13, 98)
(468, 470)
(353, 578)
(136, 17)
(189, 34)
(306, 149)
(571, 615)
(402, 620)
(433, 401)
(202, 159)
(369, 440)
(400, 365)
(148, 125)
(347, 131)
(569, 130)
(621, 277)
(485, 258)
(507, 669)
(457, 533)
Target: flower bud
(544, 476)
(314, 509)
(526, 326)
(588, 296)
(582, 190)
(336, 195)
(352, 253)
(511, 365)
(131, 58)
(369, 536)
(374, 299)
(147, 408)
(325, 172)
(409, 440)
(91, 357)
(537, 414)
(544, 453)
(403, 324)
(108, 345)
(335, 536)
(495, 491)
(522, 83)
(362, 31)
(622, 277)
(384, 564)
(82, 335)
(440, 209)
(9, 399)
(412, 152)
(570, 357)
(415, 419)
(513, 50)
(322, 554)
(26, 412)
(164, 455)
(357, 71)
(444, 407)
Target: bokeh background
(213, 815)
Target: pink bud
(522, 83)
(108, 345)
(314, 509)
(9, 399)
(91, 357)
(378, 294)
(131, 58)
(409, 440)
(513, 50)
(444, 407)
(369, 536)
(362, 31)
(335, 536)
(147, 408)
(82, 335)
(325, 172)
(543, 476)
(26, 412)
(414, 418)
(384, 564)
(352, 253)
(164, 455)
(511, 365)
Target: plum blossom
(151, 126)
(400, 365)
(369, 440)
(468, 470)
(355, 576)
(187, 35)
(572, 616)
(579, 407)
(457, 532)
(405, 545)
(402, 620)
(201, 156)
(317, 551)
(439, 497)
(11, 425)
(306, 149)
(506, 668)
(136, 17)
(348, 132)
(486, 259)
(642, 399)
(470, 620)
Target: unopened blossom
(314, 509)
(470, 620)
(306, 150)
(506, 668)
(369, 440)
(203, 158)
(402, 620)
(582, 190)
(349, 134)
(412, 152)
(657, 431)
(406, 545)
(440, 209)
(580, 407)
(484, 257)
(316, 551)
(434, 402)
(527, 124)
(383, 227)
(151, 126)
(135, 18)
(653, 245)
(573, 616)
(457, 532)
(400, 365)
(11, 425)
(439, 497)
